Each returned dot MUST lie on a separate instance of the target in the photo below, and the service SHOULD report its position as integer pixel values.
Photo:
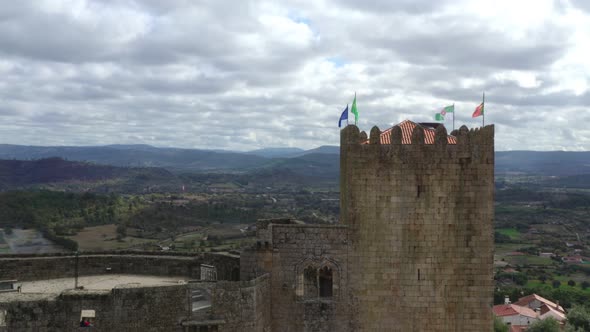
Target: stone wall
(421, 230)
(122, 309)
(25, 268)
(244, 306)
(295, 248)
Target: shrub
(579, 317)
(545, 325)
(499, 325)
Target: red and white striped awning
(407, 128)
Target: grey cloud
(381, 6)
(210, 74)
(581, 4)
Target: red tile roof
(524, 301)
(501, 310)
(518, 328)
(407, 128)
(559, 315)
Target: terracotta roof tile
(407, 128)
(524, 301)
(501, 310)
(557, 313)
(518, 328)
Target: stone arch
(310, 282)
(235, 274)
(317, 277)
(326, 284)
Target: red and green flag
(478, 111)
(448, 109)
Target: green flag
(448, 109)
(439, 117)
(354, 111)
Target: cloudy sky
(249, 74)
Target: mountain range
(322, 162)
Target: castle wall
(421, 230)
(122, 309)
(25, 268)
(244, 306)
(295, 248)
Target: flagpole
(355, 117)
(454, 116)
(483, 103)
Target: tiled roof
(560, 316)
(518, 328)
(501, 310)
(524, 301)
(407, 128)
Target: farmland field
(104, 237)
(513, 233)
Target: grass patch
(505, 248)
(513, 233)
(197, 236)
(104, 237)
(529, 260)
(563, 286)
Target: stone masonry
(414, 248)
(420, 221)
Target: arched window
(310, 277)
(317, 281)
(235, 274)
(326, 282)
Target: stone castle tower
(420, 227)
(414, 247)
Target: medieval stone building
(413, 252)
(414, 248)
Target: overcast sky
(248, 74)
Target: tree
(556, 284)
(571, 328)
(579, 317)
(546, 325)
(571, 283)
(499, 325)
(121, 230)
(585, 284)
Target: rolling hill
(320, 162)
(138, 156)
(16, 174)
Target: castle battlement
(476, 144)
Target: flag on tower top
(447, 109)
(354, 111)
(343, 116)
(478, 111)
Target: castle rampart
(120, 309)
(39, 267)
